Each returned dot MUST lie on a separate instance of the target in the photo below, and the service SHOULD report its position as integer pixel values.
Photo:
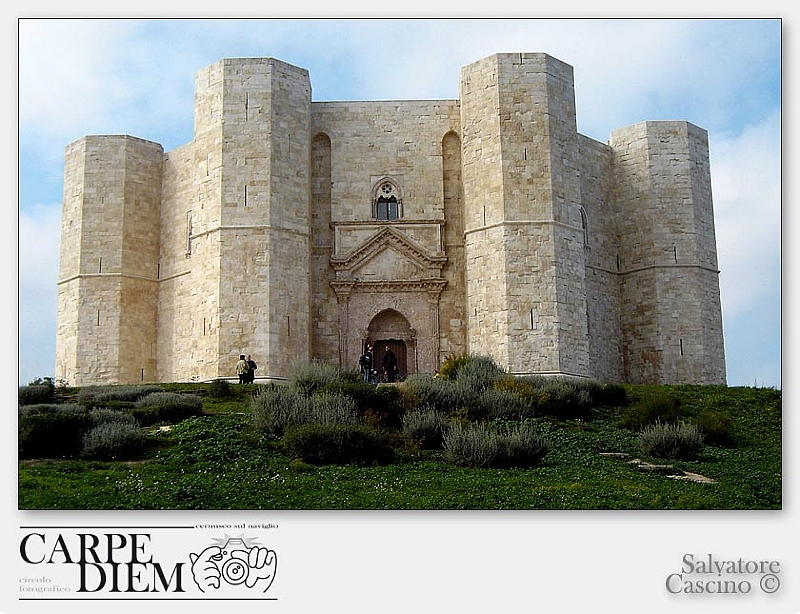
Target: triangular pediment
(388, 263)
(390, 254)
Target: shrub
(479, 446)
(277, 408)
(113, 440)
(525, 388)
(425, 428)
(471, 446)
(478, 373)
(94, 396)
(521, 446)
(609, 395)
(103, 415)
(678, 440)
(423, 390)
(35, 394)
(378, 405)
(565, 399)
(492, 404)
(652, 408)
(451, 365)
(326, 444)
(308, 377)
(220, 389)
(52, 431)
(169, 407)
(716, 425)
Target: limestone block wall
(324, 306)
(236, 259)
(359, 145)
(452, 301)
(109, 261)
(600, 251)
(668, 267)
(374, 140)
(525, 277)
(188, 313)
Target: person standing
(252, 366)
(389, 364)
(365, 362)
(242, 369)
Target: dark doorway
(399, 349)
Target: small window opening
(387, 208)
(584, 226)
(387, 203)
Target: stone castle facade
(295, 230)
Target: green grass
(218, 461)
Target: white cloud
(746, 177)
(39, 237)
(68, 72)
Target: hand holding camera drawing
(236, 564)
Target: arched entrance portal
(391, 329)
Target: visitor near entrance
(390, 365)
(365, 363)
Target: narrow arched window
(387, 202)
(584, 226)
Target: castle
(295, 230)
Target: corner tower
(252, 121)
(525, 279)
(670, 301)
(107, 279)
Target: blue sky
(136, 77)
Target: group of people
(388, 364)
(246, 369)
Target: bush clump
(339, 444)
(491, 404)
(103, 415)
(98, 396)
(478, 373)
(674, 440)
(717, 426)
(451, 366)
(609, 395)
(379, 406)
(308, 377)
(52, 431)
(35, 394)
(565, 399)
(170, 407)
(277, 408)
(425, 428)
(220, 389)
(441, 395)
(519, 446)
(115, 440)
(652, 408)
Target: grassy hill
(228, 455)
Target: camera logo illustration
(236, 564)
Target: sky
(78, 77)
